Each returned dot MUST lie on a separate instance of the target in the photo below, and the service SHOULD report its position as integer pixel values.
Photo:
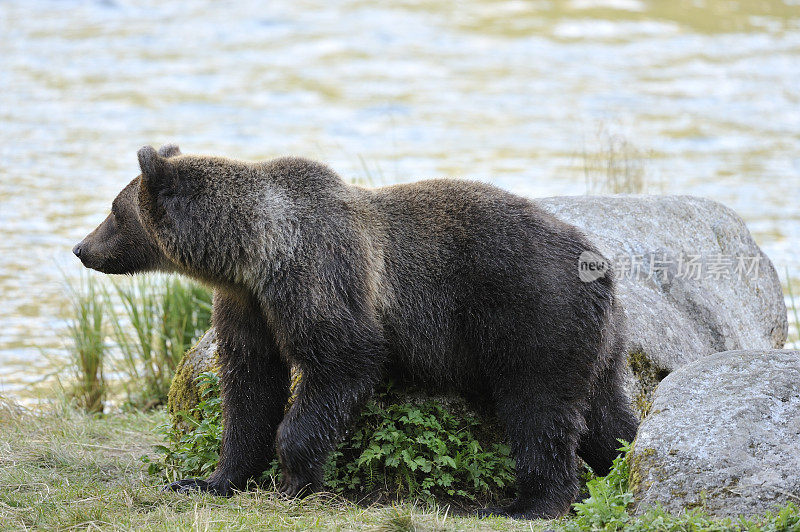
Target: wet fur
(451, 285)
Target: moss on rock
(641, 461)
(184, 393)
(647, 376)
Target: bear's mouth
(107, 267)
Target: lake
(701, 97)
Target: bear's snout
(83, 252)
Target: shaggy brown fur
(450, 285)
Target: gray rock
(724, 434)
(184, 393)
(674, 318)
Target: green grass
(136, 329)
(609, 498)
(88, 350)
(155, 321)
(62, 469)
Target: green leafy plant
(609, 497)
(194, 453)
(419, 450)
(784, 520)
(414, 450)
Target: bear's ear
(156, 171)
(169, 150)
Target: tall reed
(88, 350)
(150, 321)
(154, 321)
(185, 315)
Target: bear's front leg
(314, 425)
(332, 390)
(255, 389)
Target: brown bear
(451, 285)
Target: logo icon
(591, 266)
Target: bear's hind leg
(543, 433)
(608, 419)
(255, 389)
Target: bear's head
(121, 244)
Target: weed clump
(414, 450)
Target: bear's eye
(115, 214)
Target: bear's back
(461, 259)
(472, 222)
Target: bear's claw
(294, 488)
(188, 485)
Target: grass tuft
(135, 330)
(400, 520)
(88, 347)
(160, 318)
(618, 167)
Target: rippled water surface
(527, 94)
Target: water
(522, 93)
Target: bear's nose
(77, 250)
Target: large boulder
(673, 317)
(692, 280)
(723, 434)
